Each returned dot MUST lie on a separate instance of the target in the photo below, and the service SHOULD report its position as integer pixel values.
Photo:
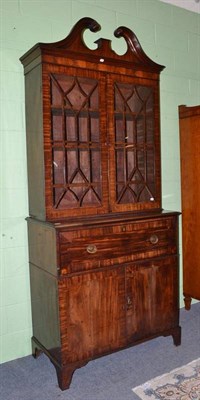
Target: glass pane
(120, 162)
(96, 165)
(83, 128)
(57, 131)
(141, 163)
(119, 129)
(140, 128)
(130, 130)
(58, 165)
(94, 126)
(134, 136)
(64, 198)
(94, 99)
(85, 164)
(56, 95)
(70, 134)
(150, 120)
(75, 122)
(91, 197)
(130, 163)
(150, 166)
(134, 102)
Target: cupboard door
(134, 150)
(152, 297)
(75, 142)
(92, 314)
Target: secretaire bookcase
(103, 254)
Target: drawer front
(85, 249)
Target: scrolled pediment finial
(134, 49)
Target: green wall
(168, 34)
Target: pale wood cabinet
(103, 254)
(189, 122)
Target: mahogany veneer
(103, 254)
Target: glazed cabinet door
(134, 144)
(98, 125)
(151, 297)
(75, 142)
(92, 314)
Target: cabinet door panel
(76, 154)
(134, 150)
(92, 314)
(152, 297)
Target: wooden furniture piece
(189, 121)
(103, 253)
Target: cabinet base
(65, 372)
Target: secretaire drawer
(84, 249)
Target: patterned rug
(180, 384)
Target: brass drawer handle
(153, 239)
(91, 249)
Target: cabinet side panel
(34, 137)
(42, 246)
(190, 189)
(45, 310)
